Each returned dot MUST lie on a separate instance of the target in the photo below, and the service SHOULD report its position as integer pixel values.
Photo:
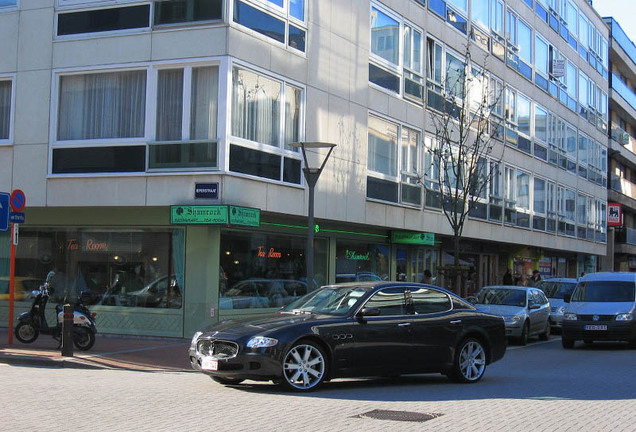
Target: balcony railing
(620, 135)
(626, 236)
(623, 186)
(623, 89)
(625, 42)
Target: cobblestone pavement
(541, 387)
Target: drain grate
(399, 415)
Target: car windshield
(557, 290)
(501, 296)
(604, 291)
(328, 300)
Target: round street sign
(18, 200)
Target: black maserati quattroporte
(358, 329)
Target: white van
(601, 308)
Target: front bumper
(614, 331)
(514, 329)
(259, 364)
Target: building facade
(152, 141)
(622, 178)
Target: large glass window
(383, 146)
(282, 20)
(265, 270)
(385, 31)
(183, 11)
(360, 261)
(102, 105)
(109, 267)
(195, 106)
(5, 108)
(266, 115)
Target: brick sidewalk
(109, 352)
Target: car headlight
(512, 319)
(261, 342)
(570, 316)
(624, 317)
(195, 337)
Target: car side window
(426, 301)
(533, 300)
(389, 301)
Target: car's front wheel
(470, 362)
(304, 366)
(567, 343)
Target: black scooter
(32, 323)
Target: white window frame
(9, 139)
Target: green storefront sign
(245, 216)
(215, 215)
(416, 238)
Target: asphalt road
(540, 387)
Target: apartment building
(622, 178)
(152, 141)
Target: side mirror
(567, 298)
(365, 312)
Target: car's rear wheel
(304, 366)
(546, 334)
(227, 381)
(470, 362)
(567, 343)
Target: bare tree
(467, 151)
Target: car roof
(609, 276)
(514, 287)
(560, 279)
(387, 284)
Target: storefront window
(111, 267)
(263, 270)
(357, 261)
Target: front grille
(217, 348)
(601, 318)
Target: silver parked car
(555, 289)
(526, 310)
(602, 308)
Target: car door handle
(456, 321)
(406, 324)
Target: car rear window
(604, 292)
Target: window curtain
(292, 115)
(5, 108)
(102, 105)
(255, 108)
(169, 105)
(204, 108)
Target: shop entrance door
(411, 263)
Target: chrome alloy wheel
(472, 361)
(304, 367)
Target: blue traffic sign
(17, 217)
(4, 211)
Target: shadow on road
(539, 371)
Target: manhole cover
(399, 415)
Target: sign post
(17, 202)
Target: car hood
(500, 310)
(261, 325)
(610, 308)
(556, 302)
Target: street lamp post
(311, 177)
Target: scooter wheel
(26, 333)
(83, 338)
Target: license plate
(209, 364)
(595, 327)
